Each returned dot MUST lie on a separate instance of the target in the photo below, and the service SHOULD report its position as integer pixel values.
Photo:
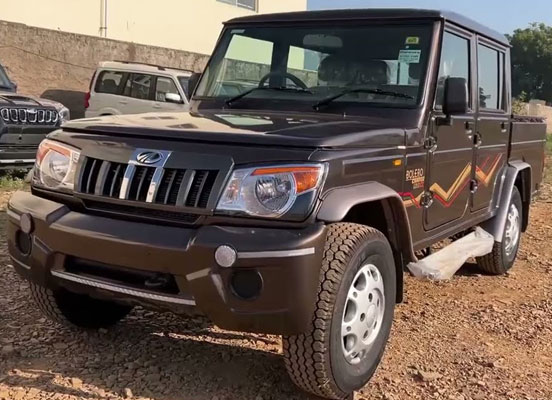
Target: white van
(120, 87)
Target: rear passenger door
(107, 93)
(493, 122)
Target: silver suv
(120, 87)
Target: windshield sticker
(410, 56)
(412, 40)
(237, 31)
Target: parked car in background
(121, 87)
(24, 122)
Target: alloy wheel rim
(363, 314)
(512, 233)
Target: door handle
(469, 127)
(503, 127)
(477, 139)
(123, 102)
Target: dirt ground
(475, 337)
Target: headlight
(55, 165)
(270, 191)
(64, 115)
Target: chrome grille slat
(33, 116)
(125, 186)
(102, 176)
(196, 188)
(91, 176)
(185, 187)
(154, 185)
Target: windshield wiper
(279, 89)
(328, 100)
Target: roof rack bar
(160, 67)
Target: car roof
(375, 14)
(143, 67)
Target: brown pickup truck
(290, 205)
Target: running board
(443, 264)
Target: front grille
(29, 116)
(189, 188)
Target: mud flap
(446, 262)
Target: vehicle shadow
(469, 269)
(156, 356)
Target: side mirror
(13, 86)
(173, 98)
(192, 83)
(456, 96)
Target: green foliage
(519, 104)
(12, 180)
(532, 62)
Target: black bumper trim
(120, 289)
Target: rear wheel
(504, 253)
(80, 310)
(353, 316)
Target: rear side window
(455, 63)
(164, 86)
(109, 82)
(491, 73)
(138, 86)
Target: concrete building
(191, 25)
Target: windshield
(381, 65)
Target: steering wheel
(285, 75)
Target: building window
(249, 4)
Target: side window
(138, 86)
(491, 73)
(455, 63)
(109, 82)
(164, 86)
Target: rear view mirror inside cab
(322, 41)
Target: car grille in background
(164, 186)
(29, 116)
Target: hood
(18, 100)
(262, 128)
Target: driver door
(450, 144)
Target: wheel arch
(376, 205)
(517, 174)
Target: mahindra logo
(149, 157)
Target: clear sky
(501, 15)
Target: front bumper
(18, 144)
(286, 260)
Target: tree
(532, 62)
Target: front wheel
(353, 316)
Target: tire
(69, 308)
(316, 360)
(502, 258)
